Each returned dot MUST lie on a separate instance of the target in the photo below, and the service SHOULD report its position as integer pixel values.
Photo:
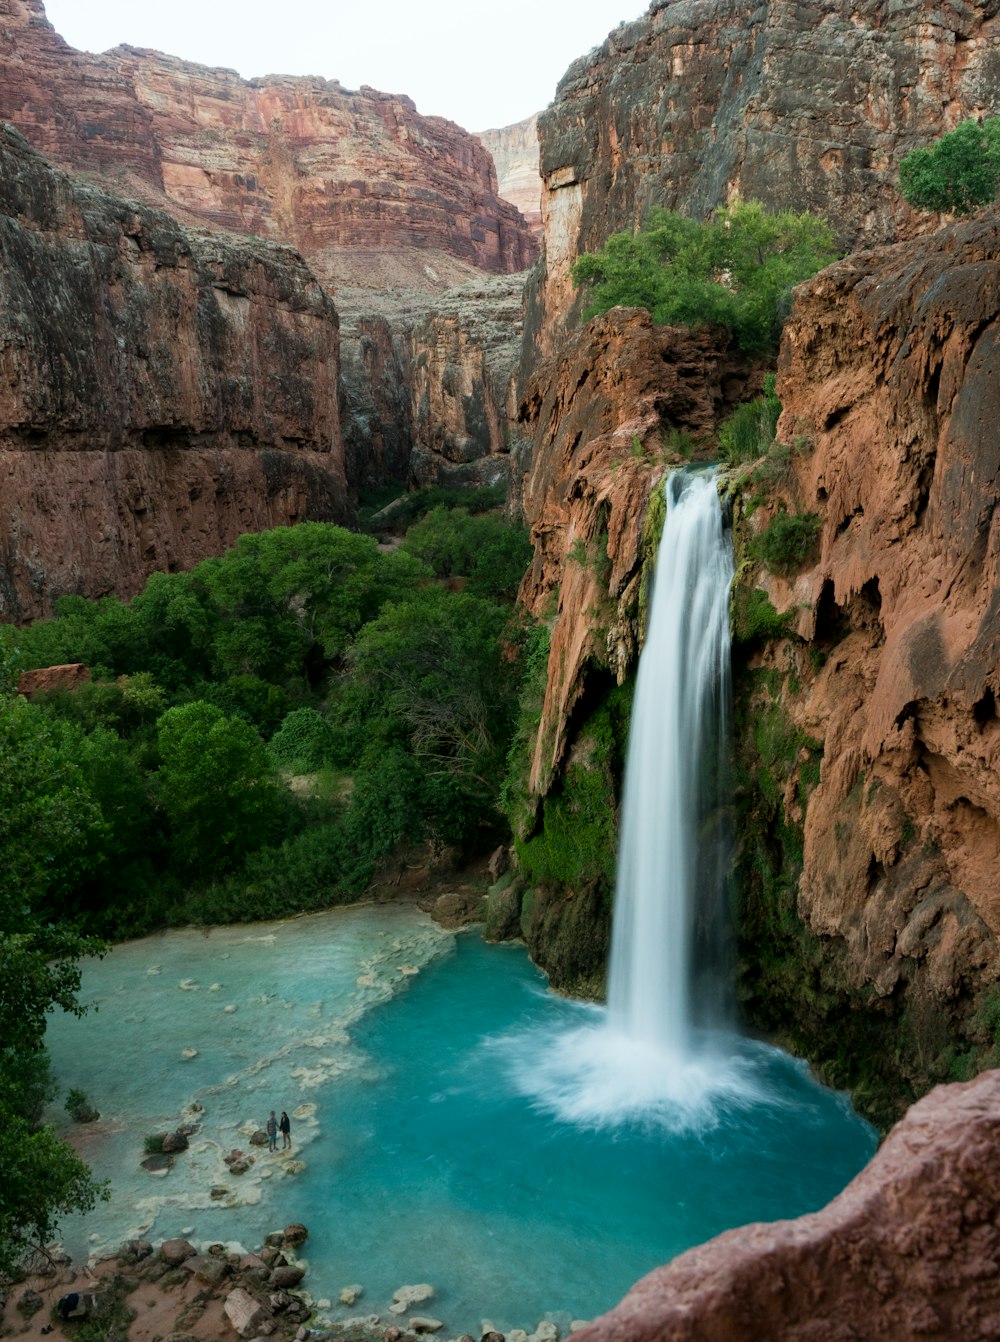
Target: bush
(153, 1144)
(79, 1107)
(959, 173)
(790, 541)
(738, 269)
(304, 743)
(748, 432)
(755, 619)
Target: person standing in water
(271, 1128)
(285, 1128)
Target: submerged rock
(410, 1295)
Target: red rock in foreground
(909, 1250)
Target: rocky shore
(176, 1292)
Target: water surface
(434, 1143)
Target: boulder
(135, 1250)
(173, 1252)
(237, 1162)
(285, 1277)
(350, 1295)
(259, 1138)
(249, 1316)
(209, 1269)
(252, 1262)
(175, 1141)
(294, 1235)
(422, 1323)
(158, 1163)
(546, 1332)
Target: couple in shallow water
(273, 1127)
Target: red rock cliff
(358, 181)
(515, 153)
(890, 379)
(161, 391)
(800, 106)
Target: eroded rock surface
(599, 416)
(515, 153)
(161, 391)
(907, 1251)
(799, 106)
(890, 379)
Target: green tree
(217, 787)
(46, 820)
(736, 270)
(957, 174)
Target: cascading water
(662, 1051)
(667, 956)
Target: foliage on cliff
(736, 270)
(46, 822)
(304, 649)
(958, 173)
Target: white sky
(482, 65)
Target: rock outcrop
(907, 1251)
(890, 380)
(515, 154)
(361, 184)
(161, 391)
(799, 106)
(601, 417)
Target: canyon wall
(889, 380)
(361, 184)
(161, 391)
(515, 153)
(804, 107)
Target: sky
(483, 66)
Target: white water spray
(667, 976)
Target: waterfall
(664, 1051)
(667, 975)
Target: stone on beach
(248, 1316)
(350, 1295)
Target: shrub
(79, 1107)
(153, 1144)
(957, 174)
(304, 743)
(755, 619)
(790, 541)
(738, 269)
(748, 432)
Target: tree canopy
(735, 270)
(957, 174)
(46, 822)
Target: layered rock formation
(801, 107)
(161, 391)
(515, 154)
(358, 181)
(890, 379)
(907, 1251)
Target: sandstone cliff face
(799, 106)
(599, 416)
(515, 153)
(359, 182)
(890, 380)
(907, 1251)
(161, 391)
